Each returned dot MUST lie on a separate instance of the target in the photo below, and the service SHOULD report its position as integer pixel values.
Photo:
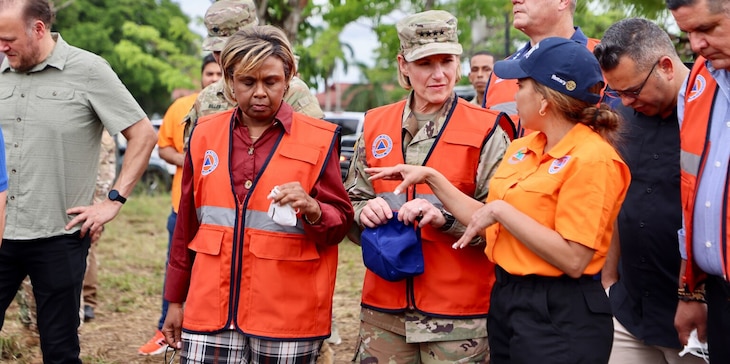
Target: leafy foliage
(483, 25)
(146, 42)
(150, 46)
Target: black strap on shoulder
(503, 120)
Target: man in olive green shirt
(55, 100)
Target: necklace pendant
(250, 150)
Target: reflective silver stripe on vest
(431, 198)
(394, 201)
(260, 220)
(689, 162)
(212, 215)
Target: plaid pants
(233, 347)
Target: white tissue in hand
(281, 214)
(696, 347)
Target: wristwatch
(115, 196)
(450, 220)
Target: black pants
(718, 319)
(536, 319)
(56, 268)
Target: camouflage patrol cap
(226, 17)
(428, 33)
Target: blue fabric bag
(393, 250)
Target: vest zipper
(410, 294)
(236, 266)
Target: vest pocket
(282, 247)
(300, 152)
(207, 241)
(206, 307)
(286, 282)
(472, 139)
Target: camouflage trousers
(379, 346)
(26, 304)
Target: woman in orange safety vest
(254, 253)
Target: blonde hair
(405, 82)
(603, 120)
(247, 49)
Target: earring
(542, 112)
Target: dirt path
(119, 328)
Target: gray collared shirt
(52, 117)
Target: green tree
(483, 24)
(146, 42)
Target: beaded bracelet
(686, 296)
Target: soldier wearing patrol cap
(223, 19)
(439, 316)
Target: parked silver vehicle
(351, 123)
(158, 176)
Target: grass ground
(131, 256)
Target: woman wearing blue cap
(548, 219)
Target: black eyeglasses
(635, 93)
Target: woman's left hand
(480, 220)
(293, 193)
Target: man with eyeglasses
(642, 68)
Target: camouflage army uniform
(450, 337)
(104, 180)
(212, 100)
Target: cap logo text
(558, 79)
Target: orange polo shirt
(171, 134)
(575, 189)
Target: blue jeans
(170, 229)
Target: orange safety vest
(455, 283)
(501, 91)
(694, 134)
(249, 272)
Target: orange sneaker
(155, 346)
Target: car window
(349, 121)
(349, 126)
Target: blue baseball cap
(393, 250)
(561, 64)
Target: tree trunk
(285, 14)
